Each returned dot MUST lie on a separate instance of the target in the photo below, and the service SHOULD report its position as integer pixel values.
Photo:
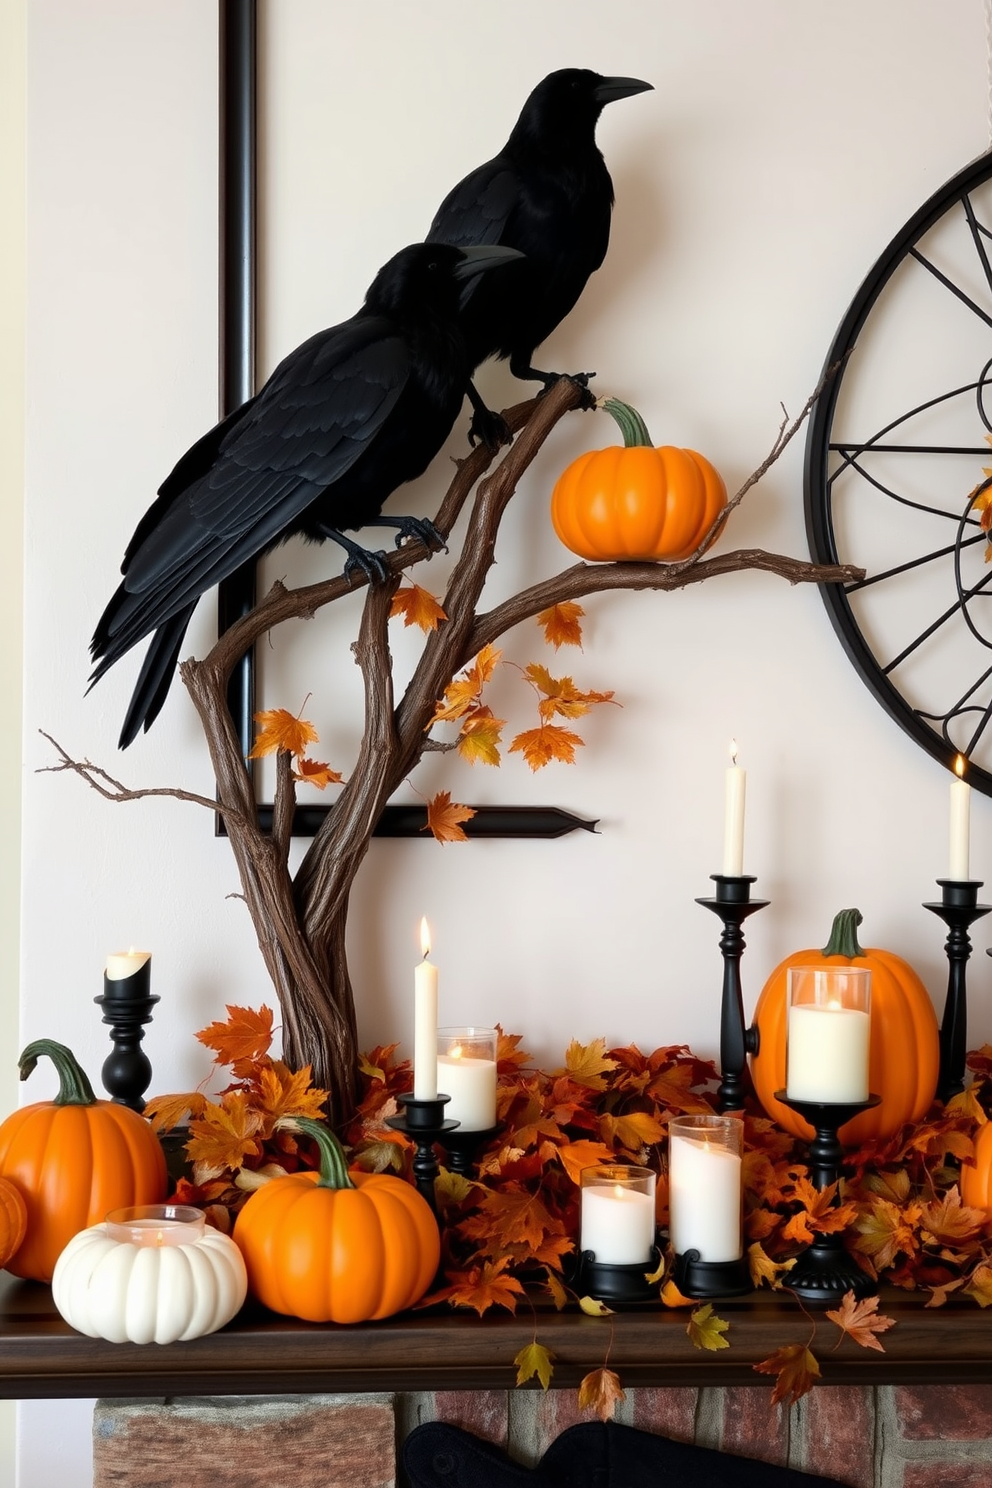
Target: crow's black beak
(612, 88)
(483, 256)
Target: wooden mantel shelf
(41, 1357)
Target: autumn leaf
(244, 1039)
(479, 739)
(883, 1232)
(560, 694)
(283, 1092)
(417, 608)
(600, 1392)
(861, 1321)
(483, 1287)
(575, 1156)
(561, 624)
(459, 697)
(281, 733)
(763, 1268)
(549, 742)
(706, 1330)
(586, 1064)
(553, 1282)
(635, 1130)
(949, 1222)
(168, 1111)
(980, 1284)
(224, 1136)
(533, 1360)
(513, 1215)
(593, 1307)
(940, 1294)
(966, 1103)
(314, 772)
(796, 1369)
(444, 818)
(509, 1056)
(653, 1277)
(381, 1156)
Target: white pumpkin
(139, 1293)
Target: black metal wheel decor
(895, 455)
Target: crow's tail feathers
(155, 677)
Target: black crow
(549, 194)
(346, 418)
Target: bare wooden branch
(111, 789)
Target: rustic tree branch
(301, 923)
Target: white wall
(783, 146)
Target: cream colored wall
(12, 81)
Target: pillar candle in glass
(827, 1043)
(705, 1196)
(617, 1214)
(466, 1070)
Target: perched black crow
(343, 420)
(548, 193)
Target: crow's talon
(372, 565)
(490, 429)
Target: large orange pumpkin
(13, 1219)
(634, 502)
(905, 1043)
(73, 1159)
(334, 1247)
(976, 1182)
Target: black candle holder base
(704, 1279)
(423, 1122)
(127, 1005)
(616, 1286)
(462, 1146)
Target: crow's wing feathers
(478, 208)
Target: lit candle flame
(425, 938)
(455, 1051)
(618, 1191)
(834, 1004)
(959, 767)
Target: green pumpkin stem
(844, 935)
(74, 1087)
(333, 1163)
(629, 422)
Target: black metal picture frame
(238, 302)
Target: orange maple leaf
(533, 1359)
(763, 1268)
(509, 1056)
(482, 1287)
(861, 1321)
(635, 1130)
(510, 1216)
(561, 624)
(884, 1232)
(586, 1064)
(796, 1369)
(459, 697)
(980, 1284)
(583, 1154)
(417, 608)
(224, 1136)
(283, 1092)
(560, 694)
(949, 1221)
(281, 732)
(479, 739)
(539, 746)
(167, 1111)
(318, 773)
(244, 1038)
(600, 1391)
(706, 1330)
(444, 816)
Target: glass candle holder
(617, 1214)
(154, 1225)
(705, 1193)
(827, 1041)
(466, 1070)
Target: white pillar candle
(470, 1079)
(617, 1224)
(425, 1022)
(827, 1053)
(121, 964)
(960, 834)
(704, 1197)
(735, 789)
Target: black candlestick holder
(958, 908)
(461, 1147)
(825, 1272)
(733, 903)
(424, 1123)
(616, 1285)
(705, 1279)
(127, 1004)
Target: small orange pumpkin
(73, 1159)
(976, 1182)
(13, 1219)
(636, 503)
(905, 1042)
(334, 1247)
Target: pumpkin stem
(333, 1163)
(629, 421)
(844, 935)
(74, 1087)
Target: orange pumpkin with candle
(976, 1182)
(905, 1042)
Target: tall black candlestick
(127, 1004)
(958, 908)
(733, 903)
